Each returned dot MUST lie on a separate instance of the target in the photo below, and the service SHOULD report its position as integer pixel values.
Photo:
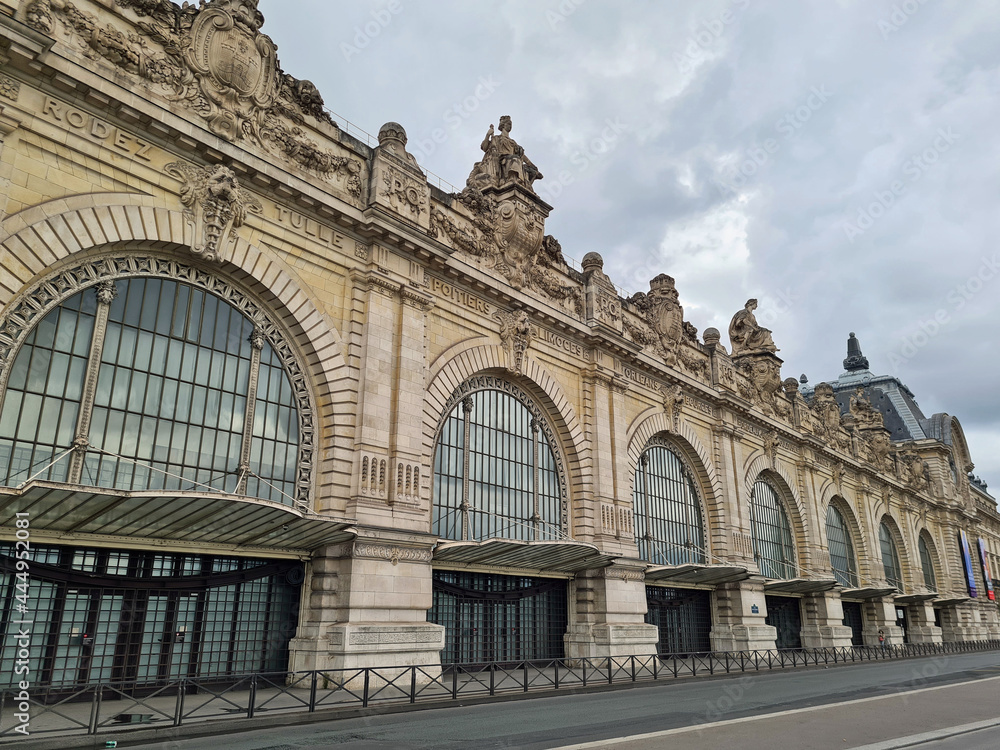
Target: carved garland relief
(213, 60)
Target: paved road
(898, 701)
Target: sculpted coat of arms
(236, 67)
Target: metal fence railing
(109, 707)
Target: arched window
(772, 535)
(890, 558)
(842, 560)
(926, 563)
(169, 387)
(495, 472)
(668, 524)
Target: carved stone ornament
(235, 66)
(771, 443)
(603, 303)
(763, 381)
(827, 411)
(865, 415)
(746, 335)
(880, 444)
(506, 231)
(213, 59)
(516, 335)
(673, 400)
(405, 195)
(9, 88)
(914, 470)
(665, 316)
(838, 475)
(215, 206)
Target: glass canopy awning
(868, 592)
(800, 586)
(560, 556)
(696, 574)
(57, 510)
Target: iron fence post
(364, 696)
(413, 684)
(524, 668)
(492, 680)
(95, 711)
(253, 696)
(179, 705)
(454, 683)
(556, 684)
(632, 660)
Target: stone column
(880, 614)
(609, 617)
(921, 624)
(962, 622)
(823, 621)
(740, 611)
(367, 607)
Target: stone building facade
(271, 400)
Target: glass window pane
(170, 396)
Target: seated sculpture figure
(747, 335)
(504, 161)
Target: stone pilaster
(379, 298)
(740, 612)
(367, 607)
(406, 441)
(880, 614)
(921, 627)
(823, 622)
(610, 607)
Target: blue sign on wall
(970, 577)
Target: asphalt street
(875, 702)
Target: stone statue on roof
(746, 335)
(503, 162)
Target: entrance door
(683, 618)
(784, 614)
(854, 620)
(494, 619)
(901, 622)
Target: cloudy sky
(837, 160)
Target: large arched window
(166, 384)
(890, 558)
(668, 524)
(838, 537)
(495, 472)
(772, 535)
(926, 563)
